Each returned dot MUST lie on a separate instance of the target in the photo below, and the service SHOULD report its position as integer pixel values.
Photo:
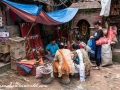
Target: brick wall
(88, 16)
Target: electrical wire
(63, 4)
(71, 1)
(44, 2)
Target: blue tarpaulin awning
(34, 13)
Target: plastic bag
(82, 66)
(105, 7)
(106, 55)
(112, 32)
(38, 73)
(88, 49)
(102, 40)
(89, 43)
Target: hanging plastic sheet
(34, 13)
(105, 7)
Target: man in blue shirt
(51, 49)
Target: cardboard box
(18, 51)
(16, 41)
(4, 34)
(17, 47)
(4, 48)
(13, 30)
(14, 63)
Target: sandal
(96, 68)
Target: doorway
(84, 29)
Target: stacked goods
(14, 63)
(4, 40)
(13, 30)
(112, 33)
(26, 67)
(17, 50)
(0, 18)
(3, 35)
(0, 21)
(3, 17)
(34, 46)
(22, 72)
(102, 40)
(4, 47)
(110, 37)
(17, 47)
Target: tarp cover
(34, 13)
(63, 15)
(29, 8)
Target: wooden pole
(29, 32)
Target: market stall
(25, 33)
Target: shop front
(25, 32)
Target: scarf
(65, 66)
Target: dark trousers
(98, 55)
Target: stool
(65, 79)
(47, 79)
(76, 75)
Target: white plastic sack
(88, 49)
(105, 7)
(77, 68)
(38, 73)
(106, 55)
(82, 66)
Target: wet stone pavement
(108, 78)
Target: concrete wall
(116, 55)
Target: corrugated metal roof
(86, 5)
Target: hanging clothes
(57, 33)
(9, 20)
(64, 33)
(105, 7)
(12, 15)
